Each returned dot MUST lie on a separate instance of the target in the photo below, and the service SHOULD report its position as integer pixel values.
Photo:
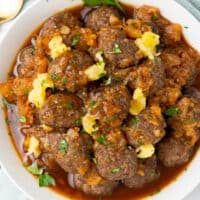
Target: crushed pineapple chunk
(34, 147)
(138, 103)
(96, 71)
(145, 151)
(37, 96)
(57, 47)
(147, 44)
(89, 122)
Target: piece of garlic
(138, 103)
(57, 47)
(34, 147)
(37, 95)
(145, 151)
(147, 44)
(96, 71)
(89, 122)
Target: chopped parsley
(116, 49)
(22, 119)
(53, 77)
(134, 121)
(46, 180)
(42, 83)
(26, 91)
(152, 175)
(34, 169)
(11, 91)
(75, 39)
(102, 140)
(94, 161)
(123, 127)
(115, 170)
(69, 105)
(7, 121)
(5, 102)
(171, 112)
(92, 103)
(154, 18)
(110, 119)
(63, 80)
(101, 75)
(78, 122)
(186, 27)
(188, 121)
(63, 147)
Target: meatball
(61, 111)
(54, 24)
(187, 121)
(70, 150)
(146, 172)
(119, 51)
(180, 64)
(93, 184)
(111, 105)
(102, 16)
(68, 70)
(149, 76)
(115, 161)
(172, 152)
(146, 128)
(30, 61)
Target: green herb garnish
(115, 170)
(26, 91)
(63, 80)
(154, 18)
(101, 75)
(7, 121)
(42, 83)
(92, 103)
(78, 122)
(152, 175)
(63, 147)
(69, 105)
(11, 91)
(171, 112)
(123, 127)
(108, 81)
(46, 180)
(134, 121)
(94, 161)
(22, 119)
(34, 169)
(75, 39)
(115, 3)
(5, 102)
(102, 140)
(116, 49)
(53, 77)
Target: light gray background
(8, 191)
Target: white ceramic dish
(24, 24)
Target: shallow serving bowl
(22, 27)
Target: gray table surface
(8, 190)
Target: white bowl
(22, 27)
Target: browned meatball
(61, 110)
(102, 16)
(172, 152)
(70, 150)
(111, 105)
(180, 64)
(53, 25)
(146, 128)
(114, 160)
(149, 76)
(187, 121)
(146, 172)
(68, 70)
(119, 52)
(31, 61)
(94, 184)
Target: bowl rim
(183, 179)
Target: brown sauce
(62, 178)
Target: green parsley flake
(123, 127)
(26, 91)
(42, 83)
(154, 18)
(22, 119)
(92, 103)
(53, 77)
(11, 91)
(171, 112)
(75, 39)
(34, 169)
(78, 122)
(63, 80)
(109, 81)
(69, 105)
(101, 75)
(116, 49)
(94, 161)
(115, 170)
(5, 102)
(46, 180)
(63, 147)
(102, 140)
(152, 175)
(134, 121)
